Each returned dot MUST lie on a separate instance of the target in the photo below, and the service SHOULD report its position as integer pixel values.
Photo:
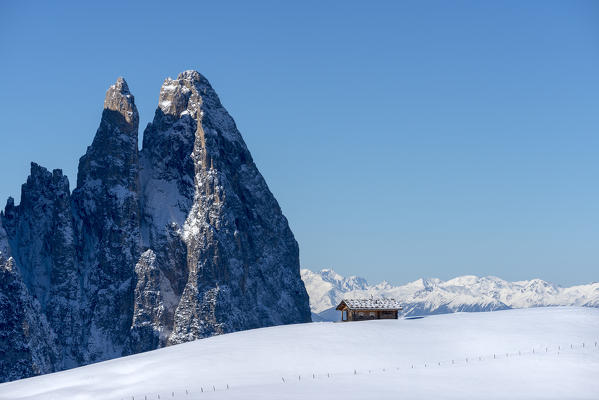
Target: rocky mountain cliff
(434, 296)
(179, 241)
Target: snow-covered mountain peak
(327, 286)
(384, 285)
(463, 280)
(431, 283)
(191, 75)
(330, 275)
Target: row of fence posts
(467, 360)
(187, 393)
(426, 365)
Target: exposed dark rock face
(40, 231)
(229, 237)
(153, 308)
(107, 214)
(180, 241)
(27, 346)
(4, 247)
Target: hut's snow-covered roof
(371, 304)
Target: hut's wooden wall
(361, 315)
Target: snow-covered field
(538, 353)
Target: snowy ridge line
(307, 377)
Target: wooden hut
(364, 309)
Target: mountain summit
(179, 241)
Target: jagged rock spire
(107, 212)
(119, 99)
(113, 154)
(43, 229)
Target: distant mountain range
(326, 288)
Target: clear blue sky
(402, 139)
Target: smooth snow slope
(357, 360)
